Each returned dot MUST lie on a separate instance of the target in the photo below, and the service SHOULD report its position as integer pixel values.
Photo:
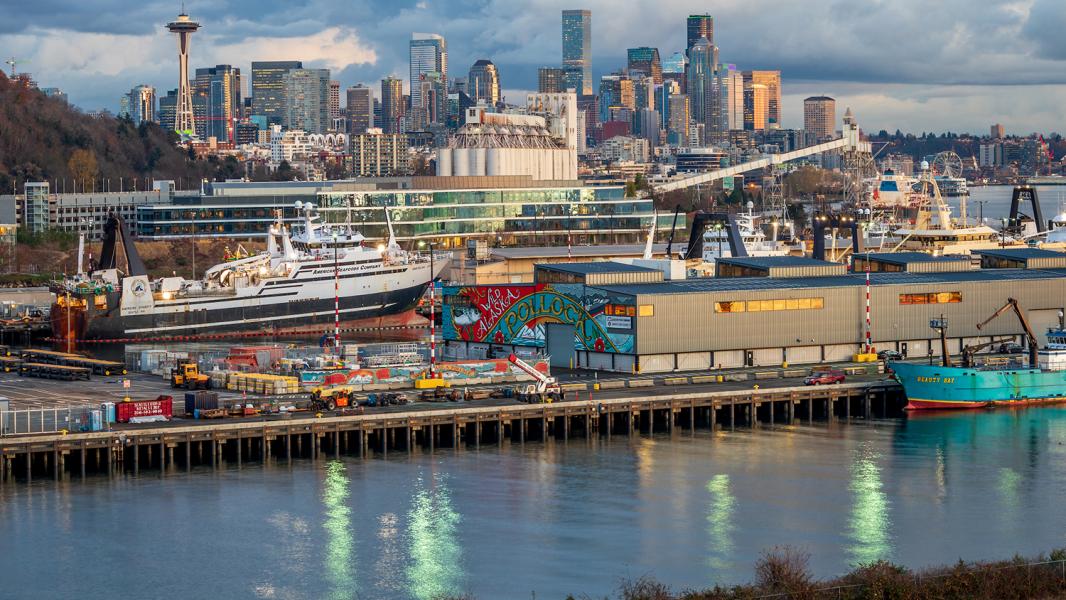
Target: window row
(931, 298)
(739, 306)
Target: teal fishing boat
(1040, 379)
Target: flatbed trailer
(47, 371)
(97, 366)
(10, 363)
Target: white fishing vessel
(781, 242)
(933, 229)
(303, 281)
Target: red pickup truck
(824, 377)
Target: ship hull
(300, 317)
(935, 387)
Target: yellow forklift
(188, 376)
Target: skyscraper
(392, 106)
(483, 84)
(168, 106)
(772, 81)
(616, 91)
(141, 104)
(334, 100)
(577, 50)
(645, 60)
(268, 88)
(662, 100)
(674, 67)
(429, 54)
(700, 26)
(733, 98)
(677, 124)
(434, 95)
(307, 100)
(550, 80)
(819, 116)
(756, 107)
(643, 92)
(700, 72)
(217, 96)
(183, 119)
(360, 110)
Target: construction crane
(546, 388)
(1030, 337)
(13, 63)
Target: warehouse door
(559, 342)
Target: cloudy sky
(916, 65)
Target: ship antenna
(392, 235)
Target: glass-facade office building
(577, 50)
(524, 217)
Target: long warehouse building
(757, 311)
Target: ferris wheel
(947, 164)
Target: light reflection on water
(869, 523)
(720, 523)
(555, 519)
(340, 557)
(435, 555)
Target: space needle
(183, 117)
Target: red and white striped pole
(336, 298)
(432, 318)
(868, 344)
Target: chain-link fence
(52, 420)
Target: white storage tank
(444, 162)
(478, 168)
(461, 162)
(492, 162)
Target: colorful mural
(452, 371)
(516, 314)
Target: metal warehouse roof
(757, 284)
(588, 268)
(577, 251)
(903, 258)
(766, 262)
(1020, 253)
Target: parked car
(889, 355)
(1010, 348)
(824, 378)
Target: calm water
(997, 202)
(555, 519)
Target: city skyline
(1003, 63)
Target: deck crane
(1030, 337)
(545, 387)
(969, 351)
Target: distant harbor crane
(13, 63)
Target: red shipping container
(160, 407)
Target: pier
(182, 445)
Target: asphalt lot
(33, 393)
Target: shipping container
(160, 407)
(200, 400)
